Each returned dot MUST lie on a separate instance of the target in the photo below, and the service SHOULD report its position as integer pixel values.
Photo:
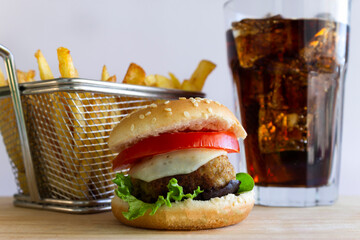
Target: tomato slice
(168, 142)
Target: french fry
(25, 76)
(188, 86)
(135, 75)
(175, 80)
(163, 82)
(112, 79)
(200, 74)
(105, 74)
(150, 80)
(3, 82)
(44, 68)
(29, 76)
(66, 66)
(21, 76)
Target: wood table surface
(340, 221)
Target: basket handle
(19, 114)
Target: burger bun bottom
(191, 214)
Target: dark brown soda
(287, 75)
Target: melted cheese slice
(173, 163)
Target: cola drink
(287, 74)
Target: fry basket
(56, 131)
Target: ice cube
(256, 38)
(320, 52)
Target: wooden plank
(341, 220)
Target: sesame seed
(147, 114)
(194, 102)
(141, 116)
(191, 98)
(169, 113)
(167, 102)
(132, 127)
(207, 101)
(167, 109)
(153, 120)
(153, 105)
(210, 110)
(217, 103)
(198, 98)
(206, 116)
(186, 114)
(182, 98)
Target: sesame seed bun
(191, 214)
(173, 116)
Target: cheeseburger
(179, 176)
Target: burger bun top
(174, 116)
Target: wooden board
(330, 222)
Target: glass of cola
(288, 60)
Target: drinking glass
(288, 60)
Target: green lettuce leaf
(138, 208)
(247, 182)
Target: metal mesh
(68, 135)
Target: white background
(159, 35)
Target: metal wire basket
(55, 133)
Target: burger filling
(216, 178)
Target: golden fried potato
(200, 74)
(150, 80)
(21, 76)
(175, 80)
(112, 79)
(44, 68)
(188, 86)
(135, 75)
(105, 74)
(163, 82)
(30, 75)
(66, 66)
